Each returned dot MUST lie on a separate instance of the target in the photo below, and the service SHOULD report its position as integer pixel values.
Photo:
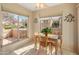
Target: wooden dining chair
(57, 43)
(35, 38)
(43, 43)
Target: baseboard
(68, 49)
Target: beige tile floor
(28, 49)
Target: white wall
(78, 25)
(69, 29)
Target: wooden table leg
(35, 41)
(56, 48)
(61, 47)
(50, 48)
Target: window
(14, 27)
(52, 22)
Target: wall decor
(35, 20)
(69, 18)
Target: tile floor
(28, 49)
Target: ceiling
(31, 6)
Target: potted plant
(46, 31)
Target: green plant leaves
(46, 30)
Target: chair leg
(50, 48)
(35, 45)
(39, 49)
(56, 48)
(46, 50)
(61, 51)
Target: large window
(53, 22)
(14, 27)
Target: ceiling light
(41, 5)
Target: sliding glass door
(23, 25)
(14, 27)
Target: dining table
(52, 38)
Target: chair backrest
(58, 32)
(44, 40)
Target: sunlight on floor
(27, 48)
(11, 40)
(5, 42)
